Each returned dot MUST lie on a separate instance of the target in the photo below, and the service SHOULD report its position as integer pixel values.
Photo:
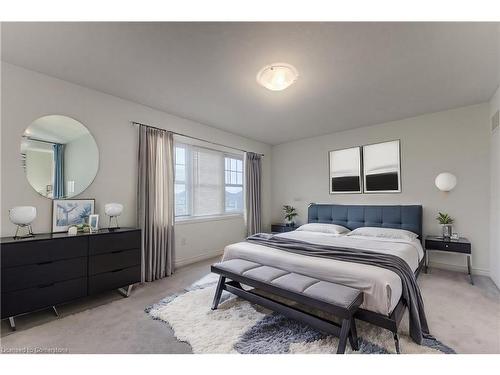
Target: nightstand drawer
(281, 228)
(456, 247)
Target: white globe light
(22, 215)
(113, 209)
(445, 181)
(277, 76)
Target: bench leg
(218, 292)
(344, 333)
(396, 342)
(353, 336)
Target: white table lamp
(113, 210)
(23, 216)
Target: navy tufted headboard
(355, 216)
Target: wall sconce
(445, 181)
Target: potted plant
(446, 224)
(290, 212)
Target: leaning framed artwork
(345, 170)
(68, 212)
(382, 167)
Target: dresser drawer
(31, 299)
(114, 279)
(456, 247)
(33, 275)
(33, 252)
(115, 260)
(109, 242)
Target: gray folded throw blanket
(411, 291)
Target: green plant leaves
(444, 218)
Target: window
(181, 193)
(207, 182)
(233, 174)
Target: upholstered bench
(338, 300)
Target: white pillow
(323, 228)
(392, 233)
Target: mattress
(381, 287)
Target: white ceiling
(351, 74)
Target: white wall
(27, 95)
(457, 141)
(495, 195)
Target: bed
(383, 305)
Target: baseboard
(453, 267)
(185, 261)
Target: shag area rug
(240, 327)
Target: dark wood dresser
(50, 269)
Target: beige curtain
(155, 202)
(253, 172)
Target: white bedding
(381, 287)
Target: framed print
(68, 212)
(382, 167)
(345, 170)
(94, 223)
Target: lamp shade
(113, 209)
(445, 181)
(22, 215)
(277, 76)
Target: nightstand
(462, 246)
(281, 228)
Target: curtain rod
(189, 136)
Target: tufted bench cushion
(335, 294)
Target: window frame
(188, 158)
(242, 185)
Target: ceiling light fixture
(277, 76)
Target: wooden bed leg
(396, 342)
(344, 333)
(353, 336)
(218, 292)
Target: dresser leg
(126, 292)
(12, 323)
(55, 311)
(469, 269)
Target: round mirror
(59, 155)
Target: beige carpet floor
(465, 317)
